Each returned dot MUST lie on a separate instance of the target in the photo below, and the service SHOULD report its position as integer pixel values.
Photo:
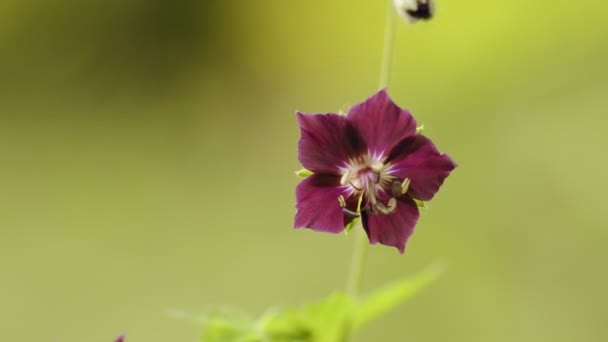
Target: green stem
(360, 249)
(355, 276)
(387, 54)
(357, 265)
(359, 257)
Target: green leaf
(323, 321)
(382, 301)
(285, 325)
(328, 318)
(218, 330)
(229, 326)
(356, 220)
(303, 173)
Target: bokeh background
(148, 148)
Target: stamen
(347, 211)
(396, 189)
(392, 205)
(345, 177)
(350, 212)
(356, 183)
(405, 186)
(342, 201)
(386, 210)
(377, 166)
(376, 178)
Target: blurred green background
(148, 150)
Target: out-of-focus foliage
(329, 320)
(383, 300)
(148, 150)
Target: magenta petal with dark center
(418, 159)
(373, 154)
(318, 205)
(381, 122)
(394, 229)
(327, 141)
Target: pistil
(371, 192)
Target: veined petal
(318, 204)
(392, 229)
(418, 159)
(326, 142)
(381, 122)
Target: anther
(400, 189)
(405, 185)
(396, 189)
(387, 209)
(377, 166)
(345, 178)
(392, 204)
(342, 201)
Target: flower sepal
(303, 173)
(419, 203)
(351, 225)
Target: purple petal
(381, 122)
(318, 205)
(326, 142)
(120, 338)
(418, 159)
(393, 229)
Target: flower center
(367, 177)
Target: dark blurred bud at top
(414, 10)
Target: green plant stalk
(359, 257)
(357, 266)
(387, 53)
(361, 244)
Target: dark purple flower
(369, 163)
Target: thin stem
(360, 250)
(357, 265)
(355, 276)
(359, 257)
(387, 54)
